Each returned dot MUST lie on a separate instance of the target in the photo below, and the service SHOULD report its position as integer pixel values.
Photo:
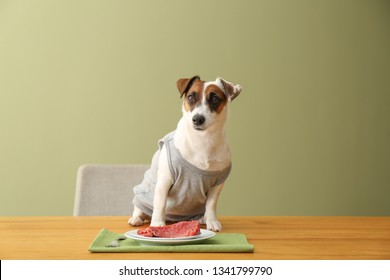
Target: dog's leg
(210, 216)
(164, 183)
(137, 219)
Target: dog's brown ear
(231, 90)
(183, 85)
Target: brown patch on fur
(192, 90)
(213, 91)
(194, 95)
(184, 84)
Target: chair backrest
(106, 190)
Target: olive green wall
(94, 82)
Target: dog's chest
(206, 158)
(208, 162)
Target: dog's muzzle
(198, 120)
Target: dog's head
(205, 103)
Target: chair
(106, 190)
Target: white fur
(206, 149)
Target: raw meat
(180, 229)
(145, 232)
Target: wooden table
(302, 238)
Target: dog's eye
(215, 99)
(191, 98)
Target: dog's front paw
(157, 222)
(213, 224)
(136, 221)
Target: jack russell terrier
(189, 168)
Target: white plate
(134, 234)
(204, 234)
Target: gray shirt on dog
(187, 196)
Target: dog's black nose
(198, 119)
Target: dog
(188, 170)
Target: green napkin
(221, 242)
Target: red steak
(145, 232)
(180, 229)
